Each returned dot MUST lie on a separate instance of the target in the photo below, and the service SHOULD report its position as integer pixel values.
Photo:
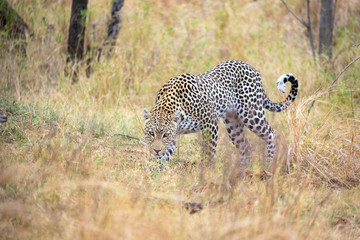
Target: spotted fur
(232, 91)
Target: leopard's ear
(147, 115)
(177, 117)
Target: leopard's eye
(165, 135)
(151, 133)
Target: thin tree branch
(292, 12)
(310, 31)
(305, 24)
(344, 71)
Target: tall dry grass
(64, 175)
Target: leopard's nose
(157, 151)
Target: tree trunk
(110, 40)
(326, 27)
(12, 22)
(77, 32)
(115, 22)
(114, 26)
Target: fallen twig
(3, 118)
(128, 136)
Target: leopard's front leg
(210, 136)
(169, 152)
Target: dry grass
(63, 174)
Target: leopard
(231, 91)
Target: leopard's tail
(281, 106)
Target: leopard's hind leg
(258, 124)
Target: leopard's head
(160, 133)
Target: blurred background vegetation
(64, 175)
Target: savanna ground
(64, 175)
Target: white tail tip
(281, 82)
